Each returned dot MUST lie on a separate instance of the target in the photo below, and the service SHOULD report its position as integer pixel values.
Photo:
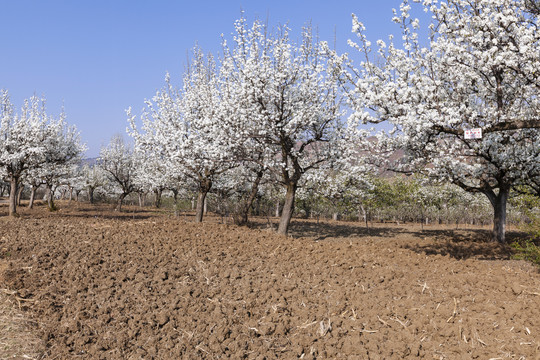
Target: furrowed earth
(146, 285)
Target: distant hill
(89, 161)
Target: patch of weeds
(527, 250)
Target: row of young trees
(270, 112)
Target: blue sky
(100, 57)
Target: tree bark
(364, 215)
(120, 202)
(201, 199)
(157, 203)
(14, 181)
(50, 200)
(32, 197)
(19, 194)
(244, 211)
(204, 187)
(91, 194)
(276, 214)
(499, 201)
(175, 197)
(288, 209)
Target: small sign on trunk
(473, 134)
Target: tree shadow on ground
(325, 230)
(464, 244)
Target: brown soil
(105, 285)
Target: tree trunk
(499, 202)
(120, 202)
(201, 201)
(141, 200)
(204, 187)
(157, 203)
(50, 200)
(70, 194)
(364, 215)
(244, 211)
(288, 209)
(175, 197)
(32, 197)
(335, 216)
(277, 208)
(91, 194)
(14, 181)
(19, 194)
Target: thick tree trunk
(201, 200)
(288, 209)
(499, 202)
(157, 203)
(14, 181)
(32, 197)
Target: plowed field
(144, 285)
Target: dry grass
(18, 338)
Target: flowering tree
(120, 164)
(478, 71)
(90, 178)
(32, 140)
(187, 127)
(62, 155)
(285, 99)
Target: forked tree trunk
(288, 209)
(32, 197)
(499, 201)
(14, 181)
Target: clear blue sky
(100, 57)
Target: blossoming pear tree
(120, 163)
(464, 101)
(187, 126)
(287, 101)
(33, 140)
